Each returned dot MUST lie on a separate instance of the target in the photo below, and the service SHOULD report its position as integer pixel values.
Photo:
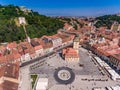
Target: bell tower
(76, 44)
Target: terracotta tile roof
(14, 51)
(16, 56)
(26, 51)
(31, 50)
(66, 25)
(72, 37)
(25, 47)
(110, 35)
(38, 47)
(65, 38)
(107, 49)
(9, 57)
(45, 45)
(12, 45)
(20, 50)
(70, 52)
(2, 70)
(117, 56)
(11, 70)
(103, 52)
(17, 64)
(2, 48)
(3, 59)
(35, 42)
(50, 37)
(114, 51)
(7, 85)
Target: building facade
(76, 44)
(115, 60)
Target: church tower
(76, 44)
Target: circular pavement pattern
(64, 75)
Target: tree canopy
(38, 25)
(107, 20)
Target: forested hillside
(107, 20)
(37, 25)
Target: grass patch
(33, 77)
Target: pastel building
(47, 45)
(37, 47)
(72, 54)
(24, 48)
(115, 60)
(109, 51)
(55, 40)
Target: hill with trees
(37, 25)
(106, 20)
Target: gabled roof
(117, 56)
(7, 85)
(70, 52)
(16, 56)
(12, 45)
(10, 70)
(3, 59)
(38, 47)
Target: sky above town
(69, 7)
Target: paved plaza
(84, 67)
(87, 74)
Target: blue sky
(69, 7)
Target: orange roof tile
(38, 47)
(31, 50)
(7, 85)
(12, 45)
(2, 48)
(2, 70)
(70, 52)
(10, 70)
(9, 57)
(16, 56)
(53, 36)
(3, 59)
(112, 52)
(103, 52)
(117, 56)
(45, 45)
